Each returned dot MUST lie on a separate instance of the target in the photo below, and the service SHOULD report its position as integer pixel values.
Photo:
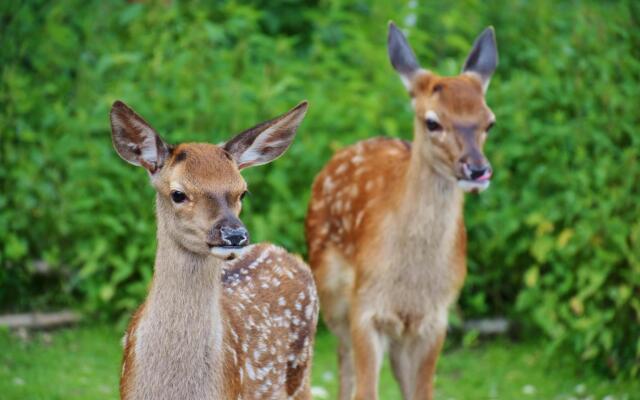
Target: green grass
(84, 363)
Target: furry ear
(135, 140)
(401, 56)
(266, 141)
(483, 58)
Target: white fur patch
(469, 186)
(430, 114)
(483, 81)
(149, 151)
(255, 154)
(176, 186)
(227, 253)
(406, 81)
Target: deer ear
(266, 141)
(401, 56)
(135, 140)
(483, 58)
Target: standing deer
(385, 226)
(222, 320)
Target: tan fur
(387, 241)
(213, 329)
(255, 343)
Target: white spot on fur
(360, 171)
(328, 185)
(250, 371)
(342, 168)
(359, 217)
(369, 185)
(308, 311)
(354, 191)
(325, 229)
(346, 222)
(318, 204)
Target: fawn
(222, 320)
(385, 230)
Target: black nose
(234, 236)
(476, 172)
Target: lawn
(84, 363)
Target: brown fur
(241, 340)
(281, 334)
(129, 343)
(387, 242)
(214, 329)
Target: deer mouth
(227, 253)
(474, 186)
(474, 179)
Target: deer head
(199, 186)
(452, 117)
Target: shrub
(553, 244)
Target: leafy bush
(553, 243)
(561, 224)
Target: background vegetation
(554, 244)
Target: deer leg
(305, 391)
(345, 361)
(345, 358)
(368, 350)
(403, 365)
(426, 366)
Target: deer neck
(186, 286)
(181, 331)
(431, 201)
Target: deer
(385, 230)
(223, 319)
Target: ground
(84, 363)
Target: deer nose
(234, 236)
(475, 172)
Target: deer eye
(433, 125)
(178, 196)
(243, 195)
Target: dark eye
(433, 125)
(178, 196)
(243, 194)
(489, 127)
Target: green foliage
(553, 244)
(561, 222)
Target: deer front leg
(305, 391)
(368, 350)
(421, 357)
(403, 365)
(345, 361)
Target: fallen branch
(39, 320)
(488, 326)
